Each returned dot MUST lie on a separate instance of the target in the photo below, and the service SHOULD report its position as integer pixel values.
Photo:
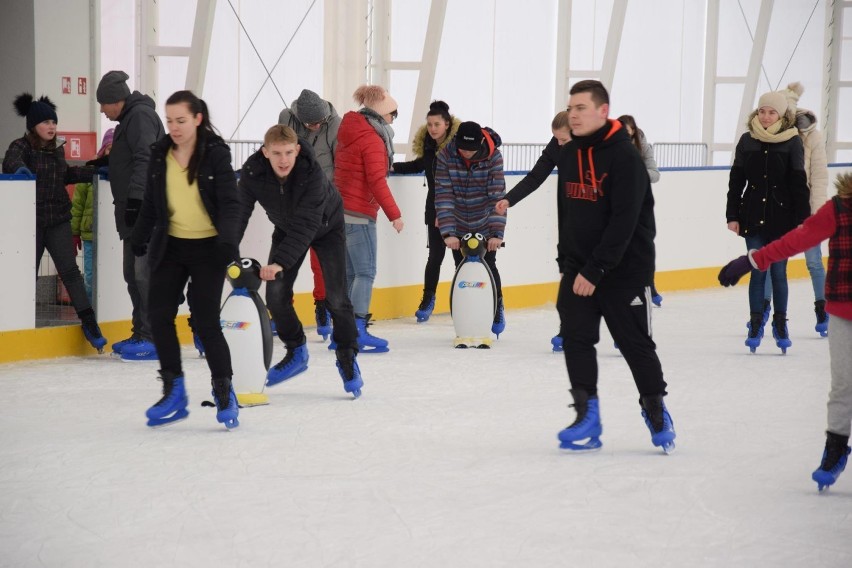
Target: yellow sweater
(188, 219)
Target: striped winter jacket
(466, 191)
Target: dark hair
(636, 137)
(594, 88)
(560, 121)
(442, 109)
(196, 106)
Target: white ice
(449, 458)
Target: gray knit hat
(310, 108)
(113, 87)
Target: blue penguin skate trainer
(172, 407)
(295, 362)
(659, 422)
(227, 409)
(587, 425)
(349, 371)
(834, 459)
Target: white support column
(758, 47)
(147, 18)
(344, 51)
(711, 54)
(613, 42)
(832, 59)
(428, 63)
(380, 44)
(199, 49)
(563, 54)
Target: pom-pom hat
(36, 111)
(375, 97)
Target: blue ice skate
(659, 422)
(657, 300)
(499, 319)
(349, 371)
(822, 318)
(119, 345)
(556, 344)
(172, 407)
(834, 459)
(142, 350)
(295, 362)
(91, 330)
(367, 342)
(323, 318)
(780, 333)
(198, 345)
(427, 305)
(755, 332)
(587, 425)
(227, 409)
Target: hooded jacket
(767, 189)
(466, 191)
(605, 208)
(426, 150)
(52, 204)
(302, 207)
(217, 186)
(323, 141)
(138, 128)
(361, 169)
(816, 161)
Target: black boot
(821, 317)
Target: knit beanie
(310, 108)
(36, 111)
(376, 98)
(793, 92)
(113, 87)
(774, 99)
(107, 140)
(469, 136)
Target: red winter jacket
(361, 169)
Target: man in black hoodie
(307, 211)
(138, 128)
(606, 257)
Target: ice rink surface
(449, 458)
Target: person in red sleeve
(364, 157)
(832, 221)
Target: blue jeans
(813, 260)
(757, 286)
(361, 246)
(87, 267)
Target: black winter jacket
(217, 185)
(303, 207)
(768, 189)
(605, 207)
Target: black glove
(139, 250)
(131, 212)
(229, 253)
(734, 270)
(101, 162)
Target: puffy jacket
(217, 186)
(82, 211)
(466, 191)
(816, 161)
(53, 206)
(361, 169)
(301, 208)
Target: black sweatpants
(437, 251)
(330, 248)
(200, 260)
(627, 313)
(57, 240)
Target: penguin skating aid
(473, 296)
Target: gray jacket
(648, 158)
(323, 141)
(139, 126)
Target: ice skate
(755, 331)
(499, 319)
(821, 318)
(780, 333)
(172, 406)
(427, 304)
(142, 350)
(91, 330)
(119, 345)
(834, 459)
(295, 362)
(323, 319)
(556, 344)
(198, 345)
(659, 422)
(227, 409)
(657, 300)
(587, 425)
(368, 343)
(347, 366)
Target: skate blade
(364, 350)
(668, 447)
(230, 424)
(593, 445)
(178, 416)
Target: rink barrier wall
(691, 246)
